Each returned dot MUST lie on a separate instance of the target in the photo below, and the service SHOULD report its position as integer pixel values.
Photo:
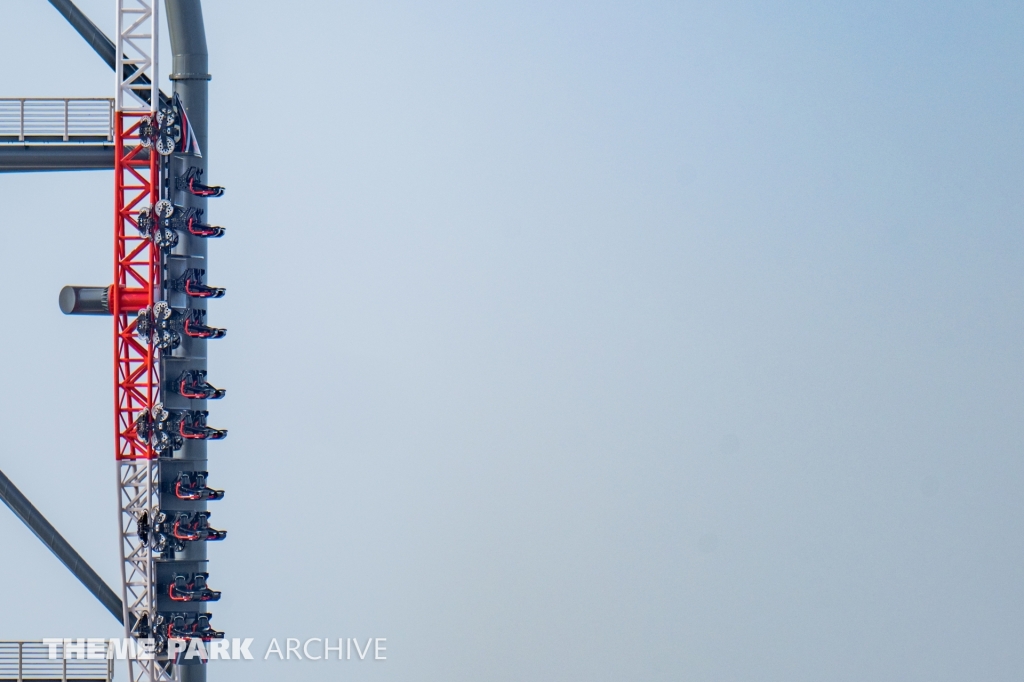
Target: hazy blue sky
(594, 341)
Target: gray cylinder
(75, 300)
(190, 77)
(50, 156)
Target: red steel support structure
(136, 269)
(136, 384)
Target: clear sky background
(595, 341)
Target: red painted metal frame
(136, 274)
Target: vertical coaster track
(161, 387)
(158, 300)
(136, 276)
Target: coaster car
(191, 587)
(192, 384)
(192, 182)
(194, 326)
(191, 283)
(190, 527)
(191, 485)
(192, 426)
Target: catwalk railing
(30, 661)
(56, 119)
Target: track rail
(137, 267)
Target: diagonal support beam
(49, 536)
(96, 38)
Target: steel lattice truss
(137, 24)
(136, 273)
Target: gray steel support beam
(96, 38)
(49, 536)
(190, 75)
(55, 157)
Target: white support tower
(137, 49)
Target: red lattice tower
(136, 273)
